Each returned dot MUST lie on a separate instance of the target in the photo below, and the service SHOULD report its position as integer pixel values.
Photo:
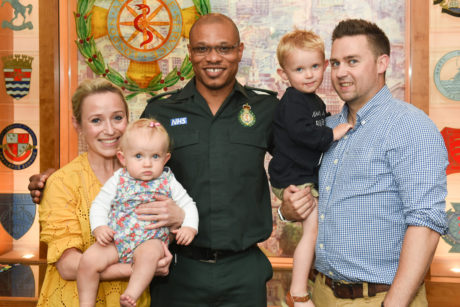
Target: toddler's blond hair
(300, 39)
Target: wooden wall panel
(49, 92)
(6, 108)
(49, 84)
(419, 54)
(68, 80)
(443, 293)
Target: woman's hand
(162, 212)
(163, 263)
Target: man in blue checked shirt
(382, 187)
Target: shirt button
(331, 273)
(321, 246)
(345, 137)
(328, 188)
(363, 122)
(336, 161)
(322, 216)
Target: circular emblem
(19, 146)
(144, 31)
(447, 75)
(453, 234)
(247, 118)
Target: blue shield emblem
(17, 214)
(17, 70)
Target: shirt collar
(370, 108)
(189, 90)
(382, 97)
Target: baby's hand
(103, 235)
(339, 131)
(184, 235)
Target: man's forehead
(204, 25)
(214, 41)
(351, 42)
(349, 47)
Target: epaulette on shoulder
(255, 89)
(158, 96)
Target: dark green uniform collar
(190, 90)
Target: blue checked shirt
(386, 174)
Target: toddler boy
(301, 136)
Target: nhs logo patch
(178, 121)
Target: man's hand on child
(103, 235)
(162, 212)
(297, 204)
(184, 235)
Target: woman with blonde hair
(100, 115)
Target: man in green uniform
(220, 133)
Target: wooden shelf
(14, 256)
(6, 301)
(443, 291)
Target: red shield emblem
(18, 148)
(452, 140)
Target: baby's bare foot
(127, 301)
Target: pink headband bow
(153, 124)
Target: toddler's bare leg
(303, 257)
(94, 260)
(145, 259)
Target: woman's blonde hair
(90, 87)
(149, 126)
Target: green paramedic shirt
(219, 159)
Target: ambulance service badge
(246, 117)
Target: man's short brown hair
(377, 39)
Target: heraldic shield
(17, 213)
(17, 280)
(18, 147)
(17, 70)
(452, 140)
